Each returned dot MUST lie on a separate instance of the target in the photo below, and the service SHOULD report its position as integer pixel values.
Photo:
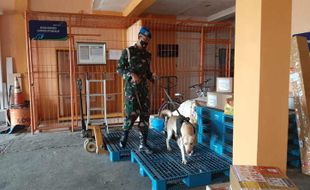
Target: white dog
(187, 109)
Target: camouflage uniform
(137, 101)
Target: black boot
(143, 147)
(123, 140)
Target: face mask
(144, 44)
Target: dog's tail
(165, 113)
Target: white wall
(188, 60)
(300, 16)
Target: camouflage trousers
(137, 104)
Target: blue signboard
(307, 35)
(47, 30)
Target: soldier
(134, 67)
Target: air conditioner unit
(91, 53)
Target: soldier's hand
(135, 78)
(155, 77)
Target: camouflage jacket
(139, 64)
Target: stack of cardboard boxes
(255, 178)
(300, 83)
(259, 177)
(224, 90)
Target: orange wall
(46, 79)
(261, 106)
(13, 44)
(12, 28)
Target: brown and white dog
(185, 135)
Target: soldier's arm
(149, 74)
(123, 65)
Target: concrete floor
(58, 161)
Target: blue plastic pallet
(204, 129)
(229, 118)
(217, 147)
(204, 167)
(229, 137)
(228, 125)
(292, 116)
(202, 111)
(203, 121)
(228, 156)
(294, 152)
(294, 163)
(292, 124)
(293, 146)
(293, 141)
(203, 139)
(292, 157)
(228, 148)
(117, 153)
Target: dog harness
(180, 121)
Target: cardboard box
(300, 83)
(217, 99)
(224, 84)
(219, 186)
(259, 177)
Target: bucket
(158, 124)
(20, 115)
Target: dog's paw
(169, 149)
(184, 162)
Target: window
(91, 53)
(167, 50)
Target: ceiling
(193, 8)
(7, 5)
(179, 8)
(110, 5)
(196, 8)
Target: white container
(224, 84)
(217, 99)
(291, 104)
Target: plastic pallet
(294, 152)
(228, 125)
(216, 145)
(228, 118)
(292, 157)
(228, 148)
(228, 156)
(292, 136)
(292, 147)
(228, 137)
(204, 129)
(293, 141)
(117, 153)
(294, 163)
(292, 116)
(203, 139)
(202, 111)
(203, 121)
(204, 167)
